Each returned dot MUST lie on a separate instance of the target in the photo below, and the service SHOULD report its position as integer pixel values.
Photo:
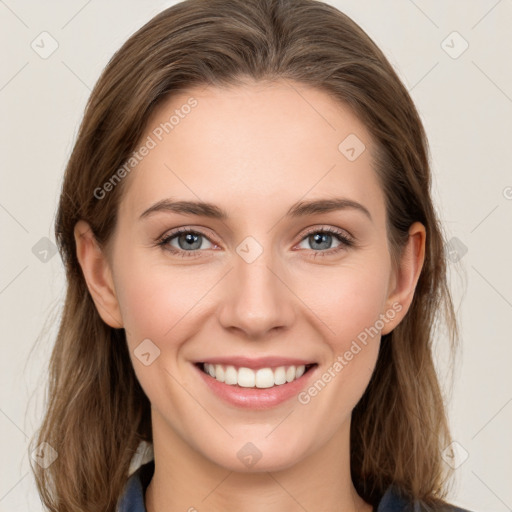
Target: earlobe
(406, 276)
(97, 274)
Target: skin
(254, 150)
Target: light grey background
(465, 100)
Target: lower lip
(257, 398)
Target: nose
(256, 299)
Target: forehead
(252, 146)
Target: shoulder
(394, 501)
(132, 499)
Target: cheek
(156, 299)
(347, 300)
(158, 304)
(349, 306)
(351, 316)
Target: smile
(254, 378)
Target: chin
(257, 456)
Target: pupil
(191, 238)
(318, 237)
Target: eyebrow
(300, 209)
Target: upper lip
(260, 362)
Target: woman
(223, 142)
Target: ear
(97, 274)
(404, 279)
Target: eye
(187, 240)
(321, 238)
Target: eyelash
(346, 241)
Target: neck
(184, 480)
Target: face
(270, 279)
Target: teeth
(248, 378)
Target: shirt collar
(132, 499)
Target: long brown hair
(96, 411)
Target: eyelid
(186, 229)
(329, 229)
